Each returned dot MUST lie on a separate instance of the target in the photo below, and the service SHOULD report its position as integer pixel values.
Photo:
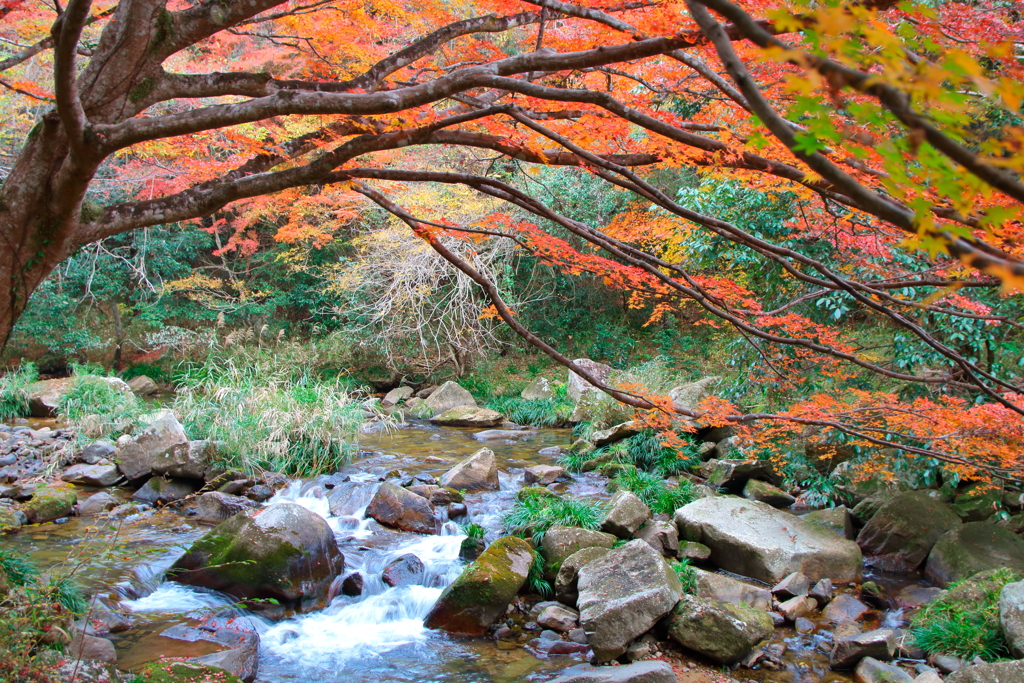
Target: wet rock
(796, 608)
(447, 396)
(503, 434)
(822, 592)
(972, 548)
(727, 589)
(92, 648)
(91, 475)
(622, 595)
(160, 491)
(538, 389)
(347, 498)
(804, 625)
(135, 455)
(405, 570)
(901, 533)
(766, 493)
(214, 507)
(96, 451)
(845, 608)
(189, 460)
(483, 590)
(442, 496)
(947, 664)
(417, 407)
(184, 672)
(717, 630)
(353, 584)
(794, 585)
(562, 541)
(691, 550)
(542, 475)
(457, 511)
(999, 672)
(568, 573)
(870, 670)
(1011, 617)
(863, 511)
(912, 597)
(260, 493)
(103, 621)
(625, 514)
(397, 395)
(976, 504)
(241, 662)
(846, 652)
(663, 537)
(754, 539)
(838, 519)
(621, 431)
(98, 503)
(558, 618)
(641, 648)
(237, 635)
(734, 474)
(284, 552)
(11, 518)
(468, 416)
(928, 677)
(578, 635)
(400, 508)
(478, 472)
(49, 503)
(143, 386)
(637, 672)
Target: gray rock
(504, 435)
(794, 585)
(214, 507)
(400, 508)
(691, 550)
(767, 493)
(447, 396)
(143, 386)
(562, 541)
(160, 491)
(845, 608)
(397, 395)
(537, 390)
(838, 519)
(577, 386)
(846, 652)
(796, 608)
(663, 537)
(238, 636)
(568, 573)
(135, 454)
(912, 597)
(1011, 617)
(900, 534)
(98, 503)
(478, 472)
(468, 416)
(870, 670)
(972, 548)
(734, 474)
(626, 514)
(91, 648)
(406, 570)
(558, 618)
(189, 460)
(348, 498)
(822, 592)
(240, 661)
(622, 595)
(717, 630)
(999, 672)
(352, 585)
(688, 396)
(96, 451)
(621, 431)
(637, 672)
(542, 475)
(92, 475)
(754, 539)
(729, 590)
(45, 395)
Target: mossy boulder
(901, 533)
(447, 396)
(283, 553)
(995, 672)
(972, 548)
(568, 573)
(755, 489)
(484, 589)
(534, 492)
(469, 416)
(11, 518)
(720, 631)
(562, 541)
(184, 672)
(417, 407)
(977, 504)
(49, 503)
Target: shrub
(534, 515)
(654, 491)
(14, 391)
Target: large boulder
(538, 389)
(45, 395)
(650, 671)
(447, 396)
(688, 396)
(996, 672)
(401, 508)
(283, 552)
(560, 542)
(734, 474)
(189, 460)
(848, 650)
(397, 395)
(618, 432)
(91, 475)
(184, 672)
(577, 386)
(566, 590)
(135, 455)
(49, 503)
(237, 638)
(717, 630)
(469, 416)
(754, 539)
(662, 536)
(483, 590)
(622, 595)
(1011, 617)
(900, 534)
(404, 570)
(972, 548)
(767, 493)
(478, 472)
(626, 514)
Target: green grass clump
(535, 579)
(14, 391)
(549, 412)
(270, 418)
(96, 407)
(474, 532)
(654, 491)
(687, 576)
(964, 622)
(534, 515)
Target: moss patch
(185, 672)
(50, 503)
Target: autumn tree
(895, 128)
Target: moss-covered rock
(184, 672)
(10, 519)
(977, 504)
(901, 533)
(562, 541)
(283, 553)
(469, 416)
(533, 492)
(50, 502)
(973, 548)
(720, 631)
(484, 589)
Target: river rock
(626, 514)
(822, 592)
(400, 508)
(397, 395)
(478, 472)
(92, 648)
(794, 585)
(447, 396)
(405, 570)
(977, 504)
(972, 548)
(870, 670)
(577, 386)
(91, 475)
(649, 671)
(566, 590)
(348, 498)
(734, 474)
(691, 550)
(997, 672)
(483, 590)
(622, 595)
(503, 435)
(417, 407)
(797, 608)
(900, 534)
(766, 493)
(845, 607)
(722, 588)
(688, 396)
(143, 386)
(538, 389)
(214, 507)
(838, 519)
(558, 618)
(468, 416)
(97, 451)
(663, 537)
(846, 652)
(49, 503)
(189, 460)
(98, 503)
(237, 635)
(542, 475)
(720, 631)
(353, 584)
(562, 541)
(160, 491)
(1011, 617)
(623, 430)
(912, 597)
(135, 455)
(754, 539)
(284, 552)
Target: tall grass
(14, 391)
(534, 515)
(548, 412)
(96, 407)
(269, 417)
(654, 491)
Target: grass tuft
(536, 581)
(96, 407)
(532, 516)
(687, 576)
(654, 491)
(14, 391)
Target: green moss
(236, 559)
(533, 492)
(184, 672)
(490, 578)
(164, 29)
(457, 496)
(50, 503)
(141, 90)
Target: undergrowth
(14, 391)
(654, 491)
(548, 412)
(97, 407)
(533, 515)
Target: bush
(14, 391)
(271, 418)
(533, 515)
(96, 407)
(654, 491)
